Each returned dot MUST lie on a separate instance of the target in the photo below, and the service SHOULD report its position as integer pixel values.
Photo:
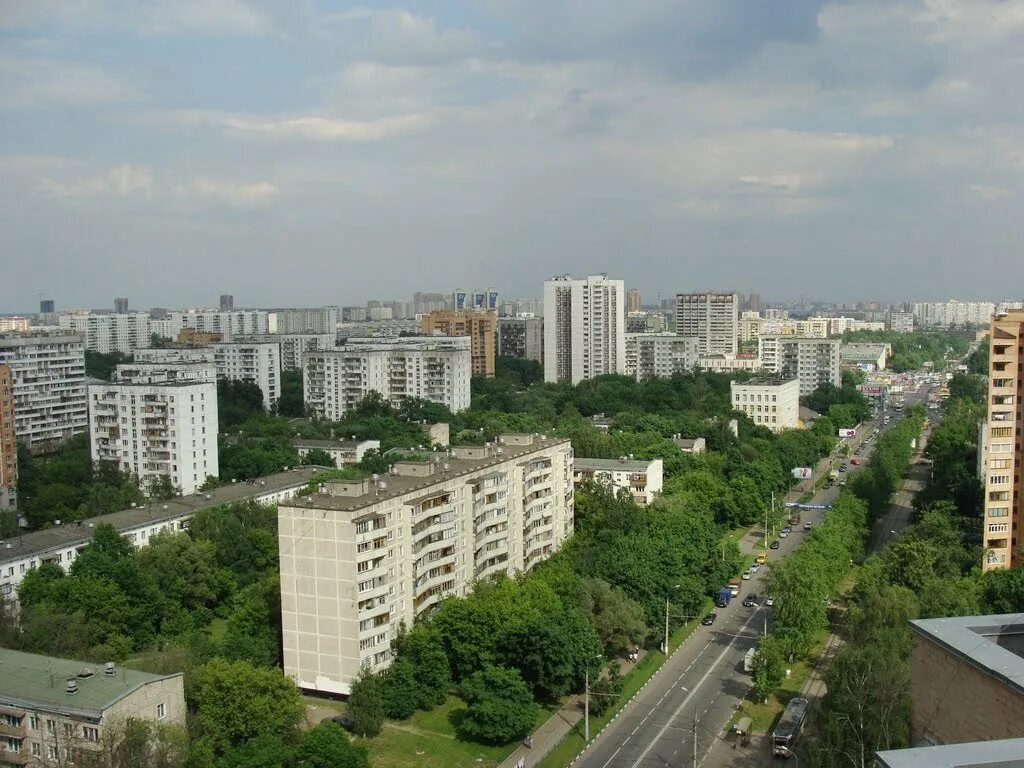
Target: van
(762, 558)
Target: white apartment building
(837, 326)
(241, 322)
(772, 403)
(728, 363)
(11, 323)
(813, 361)
(258, 363)
(164, 373)
(901, 322)
(435, 368)
(294, 346)
(109, 332)
(710, 318)
(156, 430)
(642, 479)
(166, 327)
(307, 320)
(659, 355)
(360, 559)
(953, 312)
(174, 355)
(48, 371)
(584, 328)
(343, 452)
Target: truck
(723, 597)
(748, 660)
(794, 517)
(735, 585)
(787, 731)
(833, 477)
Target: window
(51, 726)
(161, 711)
(35, 749)
(51, 751)
(33, 722)
(90, 733)
(69, 729)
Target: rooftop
(80, 532)
(38, 682)
(1002, 753)
(765, 381)
(612, 465)
(337, 445)
(992, 644)
(402, 485)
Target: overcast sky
(298, 153)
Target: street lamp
(586, 702)
(666, 620)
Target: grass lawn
(573, 743)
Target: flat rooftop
(301, 442)
(1001, 753)
(992, 644)
(402, 485)
(612, 465)
(30, 681)
(80, 532)
(764, 381)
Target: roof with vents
(30, 681)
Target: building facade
(813, 361)
(8, 442)
(158, 432)
(61, 712)
(111, 332)
(343, 452)
(433, 368)
(864, 357)
(360, 559)
(165, 373)
(901, 322)
(642, 479)
(227, 302)
(772, 403)
(14, 324)
(294, 346)
(240, 322)
(634, 302)
(521, 338)
(48, 371)
(659, 355)
(1004, 489)
(584, 328)
(710, 318)
(478, 325)
(259, 363)
(307, 320)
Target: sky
(293, 152)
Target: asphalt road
(694, 695)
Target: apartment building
(521, 338)
(343, 452)
(645, 322)
(584, 328)
(769, 402)
(8, 442)
(1004, 490)
(48, 370)
(156, 431)
(642, 479)
(259, 363)
(813, 361)
(62, 712)
(174, 355)
(240, 322)
(435, 368)
(360, 559)
(9, 323)
(478, 325)
(61, 544)
(710, 318)
(294, 346)
(946, 313)
(165, 373)
(306, 320)
(901, 322)
(478, 300)
(109, 332)
(659, 355)
(227, 302)
(633, 301)
(727, 363)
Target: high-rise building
(307, 320)
(121, 305)
(239, 322)
(478, 325)
(633, 300)
(8, 442)
(584, 328)
(712, 319)
(294, 346)
(811, 360)
(158, 432)
(1004, 489)
(901, 322)
(521, 338)
(769, 402)
(659, 355)
(428, 302)
(46, 307)
(227, 302)
(107, 333)
(362, 558)
(9, 323)
(257, 363)
(435, 368)
(48, 369)
(171, 372)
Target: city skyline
(846, 147)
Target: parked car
(750, 601)
(708, 620)
(770, 601)
(774, 544)
(754, 568)
(807, 525)
(344, 721)
(745, 576)
(843, 467)
(855, 462)
(783, 533)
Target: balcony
(10, 757)
(13, 731)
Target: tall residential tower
(712, 319)
(584, 328)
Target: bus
(789, 726)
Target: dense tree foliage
(291, 402)
(844, 405)
(99, 365)
(910, 351)
(237, 401)
(499, 706)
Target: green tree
(500, 708)
(291, 402)
(540, 651)
(399, 692)
(328, 746)
(264, 751)
(769, 667)
(236, 701)
(422, 647)
(618, 621)
(318, 457)
(366, 704)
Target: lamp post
(666, 620)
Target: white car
(754, 567)
(783, 534)
(770, 601)
(745, 576)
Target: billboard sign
(460, 299)
(871, 390)
(479, 301)
(803, 473)
(845, 433)
(798, 505)
(492, 300)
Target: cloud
(231, 193)
(33, 82)
(127, 181)
(304, 128)
(989, 193)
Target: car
(750, 601)
(754, 567)
(708, 620)
(745, 576)
(855, 462)
(787, 529)
(344, 721)
(770, 602)
(808, 526)
(843, 467)
(774, 544)
(783, 534)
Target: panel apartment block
(308, 320)
(8, 442)
(521, 338)
(1004, 490)
(478, 325)
(813, 361)
(241, 322)
(294, 346)
(712, 319)
(156, 430)
(110, 332)
(359, 559)
(258, 363)
(584, 328)
(659, 355)
(48, 370)
(434, 368)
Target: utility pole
(694, 736)
(586, 705)
(666, 626)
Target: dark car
(750, 601)
(842, 467)
(708, 620)
(774, 545)
(344, 721)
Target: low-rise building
(690, 444)
(360, 559)
(521, 338)
(343, 452)
(772, 403)
(641, 478)
(259, 363)
(1003, 753)
(62, 712)
(864, 357)
(659, 355)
